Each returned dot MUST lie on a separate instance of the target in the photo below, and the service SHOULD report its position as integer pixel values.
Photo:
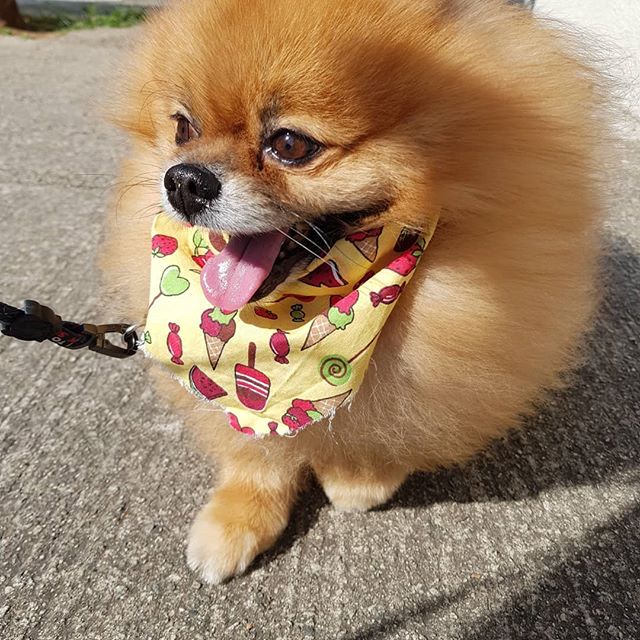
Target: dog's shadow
(581, 436)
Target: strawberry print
(200, 260)
(162, 246)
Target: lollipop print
(172, 283)
(335, 370)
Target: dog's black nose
(190, 188)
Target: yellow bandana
(277, 366)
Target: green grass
(89, 18)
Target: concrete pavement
(539, 538)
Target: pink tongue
(230, 279)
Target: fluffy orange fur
(475, 111)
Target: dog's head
(295, 121)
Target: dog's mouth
(249, 268)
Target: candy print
(261, 312)
(174, 343)
(366, 242)
(280, 346)
(204, 386)
(252, 386)
(218, 328)
(339, 316)
(326, 275)
(335, 370)
(273, 427)
(163, 246)
(297, 313)
(386, 295)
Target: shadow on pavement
(582, 435)
(592, 594)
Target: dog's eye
(185, 131)
(290, 147)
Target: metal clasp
(102, 345)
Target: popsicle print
(252, 386)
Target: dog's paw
(351, 492)
(230, 532)
(218, 553)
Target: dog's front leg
(246, 513)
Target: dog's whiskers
(313, 253)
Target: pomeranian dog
(354, 113)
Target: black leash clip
(35, 322)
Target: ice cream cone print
(302, 413)
(339, 316)
(319, 330)
(218, 328)
(328, 406)
(215, 347)
(368, 248)
(366, 242)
